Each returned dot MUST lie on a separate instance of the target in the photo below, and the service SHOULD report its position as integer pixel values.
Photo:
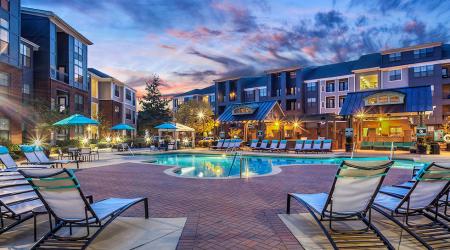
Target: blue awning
(261, 110)
(416, 99)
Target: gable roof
(99, 73)
(417, 99)
(205, 91)
(260, 114)
(58, 21)
(252, 82)
(330, 70)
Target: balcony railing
(59, 75)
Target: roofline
(35, 46)
(277, 70)
(227, 78)
(420, 46)
(58, 21)
(328, 78)
(365, 70)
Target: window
(212, 98)
(116, 91)
(384, 98)
(444, 72)
(4, 79)
(421, 53)
(330, 101)
(134, 117)
(4, 36)
(249, 95)
(395, 75)
(290, 105)
(311, 86)
(128, 94)
(79, 103)
(26, 89)
(393, 57)
(330, 86)
(25, 55)
(134, 98)
(79, 130)
(4, 128)
(343, 84)
(341, 101)
(128, 114)
(263, 92)
(232, 96)
(395, 131)
(5, 4)
(368, 82)
(423, 71)
(311, 101)
(78, 61)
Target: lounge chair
(298, 146)
(281, 146)
(9, 163)
(317, 146)
(326, 146)
(273, 146)
(254, 144)
(43, 159)
(225, 144)
(17, 200)
(307, 146)
(218, 145)
(263, 145)
(431, 183)
(59, 191)
(355, 185)
(237, 144)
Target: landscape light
(201, 115)
(85, 140)
(108, 139)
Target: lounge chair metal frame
(329, 216)
(436, 226)
(92, 221)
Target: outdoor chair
(298, 146)
(273, 145)
(354, 188)
(218, 145)
(9, 163)
(43, 159)
(62, 155)
(225, 144)
(317, 147)
(95, 152)
(60, 192)
(326, 146)
(281, 146)
(263, 145)
(85, 154)
(17, 200)
(254, 144)
(73, 153)
(307, 146)
(421, 201)
(231, 145)
(237, 144)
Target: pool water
(209, 165)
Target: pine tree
(154, 107)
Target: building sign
(244, 109)
(421, 131)
(384, 98)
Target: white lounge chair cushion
(315, 201)
(387, 201)
(107, 207)
(25, 207)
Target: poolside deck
(221, 214)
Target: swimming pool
(213, 165)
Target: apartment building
(115, 101)
(383, 95)
(206, 95)
(60, 72)
(16, 74)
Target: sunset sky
(190, 43)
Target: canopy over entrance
(254, 111)
(176, 128)
(400, 100)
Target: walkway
(222, 214)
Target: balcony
(59, 75)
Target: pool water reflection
(208, 165)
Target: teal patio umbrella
(76, 120)
(122, 126)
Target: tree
(197, 115)
(154, 107)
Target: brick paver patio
(237, 214)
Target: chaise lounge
(355, 185)
(60, 192)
